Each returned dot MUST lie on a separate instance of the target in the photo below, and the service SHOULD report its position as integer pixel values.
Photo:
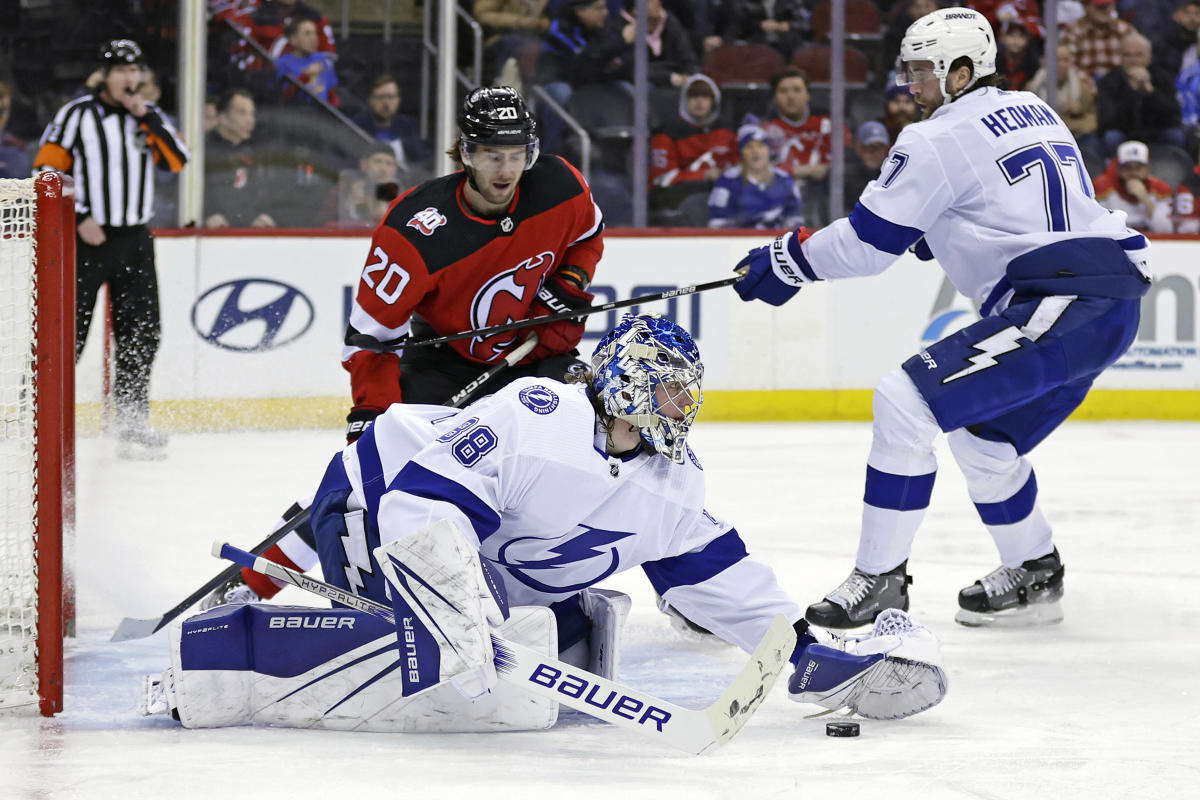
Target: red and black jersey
(682, 152)
(434, 257)
(1187, 203)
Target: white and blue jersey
(737, 201)
(987, 179)
(526, 470)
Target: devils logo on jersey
(506, 298)
(427, 220)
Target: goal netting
(37, 447)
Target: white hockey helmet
(941, 37)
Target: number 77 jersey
(985, 179)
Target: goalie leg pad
(893, 672)
(444, 600)
(300, 667)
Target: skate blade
(152, 702)
(1018, 617)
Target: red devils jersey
(433, 256)
(680, 152)
(1187, 203)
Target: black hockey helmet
(497, 116)
(120, 51)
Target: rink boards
(253, 325)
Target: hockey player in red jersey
(508, 237)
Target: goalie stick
(692, 730)
(510, 358)
(131, 628)
(371, 343)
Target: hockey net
(37, 360)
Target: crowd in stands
(299, 134)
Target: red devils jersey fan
(506, 238)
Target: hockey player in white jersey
(504, 516)
(992, 185)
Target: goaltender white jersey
(526, 470)
(987, 178)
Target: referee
(110, 141)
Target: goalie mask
(646, 372)
(941, 37)
(496, 117)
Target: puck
(841, 729)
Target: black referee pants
(125, 261)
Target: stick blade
(730, 713)
(131, 628)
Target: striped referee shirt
(111, 154)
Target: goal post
(37, 450)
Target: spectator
(1128, 186)
(510, 29)
(1187, 202)
(271, 18)
(1095, 40)
(900, 110)
(671, 55)
(383, 120)
(1188, 92)
(210, 114)
(304, 64)
(580, 47)
(901, 16)
(691, 150)
(780, 24)
(363, 195)
(1178, 37)
(1017, 61)
(14, 161)
(1076, 101)
(871, 147)
(1137, 100)
(235, 182)
(755, 194)
(1000, 12)
(800, 140)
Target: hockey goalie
(500, 519)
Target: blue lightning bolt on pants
(998, 387)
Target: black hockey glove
(358, 420)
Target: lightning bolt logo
(591, 545)
(997, 344)
(358, 558)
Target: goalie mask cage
(37, 400)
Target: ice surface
(1100, 706)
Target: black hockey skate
(860, 598)
(1030, 594)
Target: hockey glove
(562, 291)
(357, 421)
(893, 672)
(776, 271)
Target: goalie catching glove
(562, 291)
(775, 272)
(891, 673)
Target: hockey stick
(373, 344)
(517, 353)
(131, 628)
(692, 730)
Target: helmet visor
(491, 157)
(910, 72)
